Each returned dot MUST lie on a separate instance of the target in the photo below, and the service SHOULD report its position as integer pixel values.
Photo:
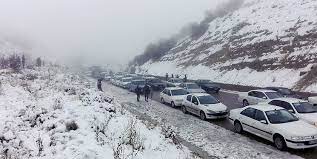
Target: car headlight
(301, 138)
(210, 111)
(315, 123)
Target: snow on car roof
(263, 90)
(290, 100)
(173, 88)
(265, 107)
(200, 94)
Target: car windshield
(139, 82)
(280, 116)
(208, 100)
(155, 81)
(177, 81)
(126, 80)
(304, 107)
(178, 92)
(192, 86)
(204, 81)
(273, 95)
(285, 91)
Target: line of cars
(275, 114)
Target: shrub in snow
(71, 126)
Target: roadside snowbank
(49, 114)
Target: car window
(169, 93)
(194, 100)
(249, 112)
(304, 107)
(179, 92)
(251, 94)
(189, 98)
(280, 116)
(275, 102)
(286, 106)
(260, 95)
(259, 115)
(273, 95)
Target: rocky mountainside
(263, 43)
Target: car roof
(265, 107)
(290, 100)
(200, 94)
(173, 88)
(262, 90)
(139, 80)
(189, 83)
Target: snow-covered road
(202, 135)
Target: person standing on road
(99, 85)
(138, 93)
(166, 77)
(185, 78)
(147, 91)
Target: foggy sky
(97, 31)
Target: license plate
(312, 142)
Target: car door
(261, 97)
(261, 125)
(252, 99)
(164, 94)
(169, 96)
(195, 105)
(247, 119)
(188, 102)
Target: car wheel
(279, 142)
(245, 103)
(173, 104)
(162, 100)
(238, 127)
(184, 110)
(202, 115)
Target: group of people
(146, 90)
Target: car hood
(196, 90)
(216, 107)
(309, 117)
(296, 128)
(179, 97)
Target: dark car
(208, 86)
(156, 84)
(285, 92)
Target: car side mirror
(264, 97)
(263, 122)
(291, 111)
(196, 103)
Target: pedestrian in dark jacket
(166, 77)
(99, 84)
(147, 91)
(138, 93)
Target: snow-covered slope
(265, 42)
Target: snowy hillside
(265, 42)
(49, 113)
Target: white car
(175, 81)
(300, 108)
(313, 100)
(204, 105)
(192, 88)
(173, 96)
(275, 124)
(257, 96)
(124, 82)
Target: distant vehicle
(205, 106)
(300, 108)
(107, 77)
(124, 82)
(257, 96)
(175, 81)
(313, 100)
(208, 86)
(116, 79)
(192, 88)
(173, 96)
(133, 85)
(155, 83)
(285, 92)
(276, 125)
